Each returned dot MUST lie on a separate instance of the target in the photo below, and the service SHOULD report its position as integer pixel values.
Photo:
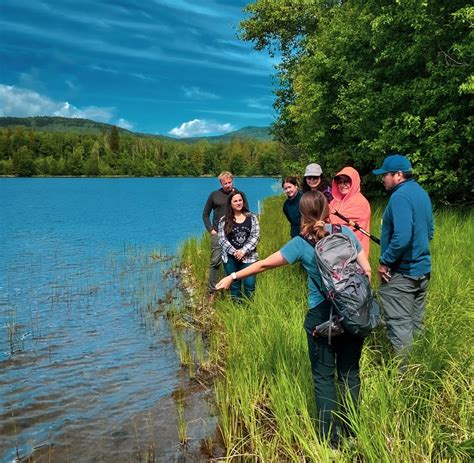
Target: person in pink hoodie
(351, 203)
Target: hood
(353, 190)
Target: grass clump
(421, 413)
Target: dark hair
(291, 179)
(314, 210)
(406, 175)
(322, 184)
(229, 212)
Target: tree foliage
(27, 152)
(365, 78)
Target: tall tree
(114, 140)
(360, 79)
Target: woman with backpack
(340, 357)
(238, 232)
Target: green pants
(403, 302)
(330, 363)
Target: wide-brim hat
(313, 170)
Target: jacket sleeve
(402, 236)
(227, 248)
(206, 213)
(431, 229)
(252, 240)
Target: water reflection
(87, 365)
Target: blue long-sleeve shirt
(407, 228)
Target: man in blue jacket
(405, 259)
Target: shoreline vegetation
(257, 364)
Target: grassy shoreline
(262, 381)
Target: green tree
(114, 140)
(23, 163)
(361, 79)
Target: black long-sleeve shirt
(216, 203)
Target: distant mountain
(59, 124)
(255, 133)
(86, 126)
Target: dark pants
(403, 302)
(233, 265)
(340, 361)
(216, 252)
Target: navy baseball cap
(394, 163)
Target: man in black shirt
(216, 203)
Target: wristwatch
(234, 275)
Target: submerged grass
(264, 395)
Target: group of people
(404, 266)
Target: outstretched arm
(273, 261)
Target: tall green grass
(264, 395)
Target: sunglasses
(341, 181)
(313, 177)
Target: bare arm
(273, 261)
(364, 263)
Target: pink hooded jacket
(353, 205)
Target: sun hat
(313, 170)
(394, 163)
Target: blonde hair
(314, 210)
(224, 175)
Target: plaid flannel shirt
(249, 247)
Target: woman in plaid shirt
(239, 232)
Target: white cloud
(124, 124)
(21, 102)
(195, 93)
(200, 127)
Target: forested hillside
(27, 151)
(357, 80)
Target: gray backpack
(345, 284)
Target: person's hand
(239, 254)
(213, 232)
(224, 283)
(384, 272)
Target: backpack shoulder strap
(336, 228)
(316, 283)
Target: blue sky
(171, 67)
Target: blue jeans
(233, 265)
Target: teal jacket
(407, 228)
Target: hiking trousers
(333, 367)
(216, 259)
(403, 302)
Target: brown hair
(322, 184)
(229, 212)
(314, 210)
(291, 179)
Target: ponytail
(314, 210)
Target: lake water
(86, 368)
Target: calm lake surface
(86, 368)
